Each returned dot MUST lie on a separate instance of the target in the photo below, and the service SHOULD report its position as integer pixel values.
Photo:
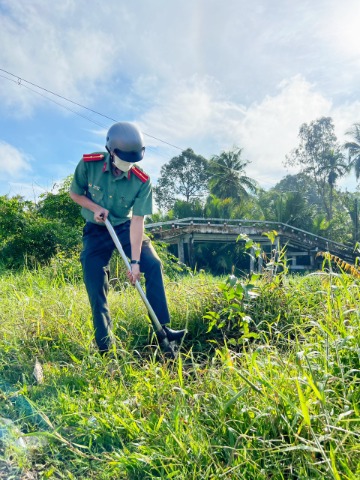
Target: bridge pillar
(191, 251)
(312, 260)
(181, 252)
(252, 260)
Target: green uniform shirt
(122, 196)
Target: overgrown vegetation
(270, 391)
(266, 384)
(33, 233)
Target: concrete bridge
(301, 246)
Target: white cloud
(13, 162)
(197, 114)
(205, 74)
(87, 50)
(341, 30)
(184, 110)
(270, 128)
(55, 46)
(344, 117)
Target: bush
(37, 242)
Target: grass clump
(265, 386)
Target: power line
(54, 101)
(20, 80)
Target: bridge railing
(262, 224)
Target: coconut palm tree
(353, 148)
(227, 176)
(335, 167)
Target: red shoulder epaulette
(92, 157)
(140, 174)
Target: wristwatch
(135, 262)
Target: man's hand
(100, 214)
(134, 274)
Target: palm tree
(216, 207)
(335, 167)
(353, 149)
(227, 176)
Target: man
(109, 185)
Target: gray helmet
(126, 141)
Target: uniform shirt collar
(107, 168)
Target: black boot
(174, 335)
(165, 344)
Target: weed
(281, 404)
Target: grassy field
(271, 391)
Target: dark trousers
(98, 247)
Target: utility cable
(20, 81)
(71, 109)
(54, 101)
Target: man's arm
(136, 237)
(100, 213)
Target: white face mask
(121, 164)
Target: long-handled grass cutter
(159, 331)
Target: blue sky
(205, 74)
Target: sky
(209, 75)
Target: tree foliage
(184, 176)
(183, 209)
(32, 234)
(190, 186)
(59, 206)
(351, 204)
(319, 156)
(228, 178)
(353, 148)
(12, 216)
(290, 208)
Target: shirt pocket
(122, 203)
(125, 201)
(95, 194)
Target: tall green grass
(281, 404)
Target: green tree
(183, 209)
(353, 148)
(319, 157)
(59, 206)
(351, 202)
(229, 208)
(220, 258)
(334, 167)
(287, 207)
(37, 242)
(184, 177)
(302, 184)
(32, 234)
(217, 207)
(321, 225)
(12, 216)
(228, 178)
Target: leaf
(249, 335)
(231, 280)
(235, 397)
(303, 405)
(271, 235)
